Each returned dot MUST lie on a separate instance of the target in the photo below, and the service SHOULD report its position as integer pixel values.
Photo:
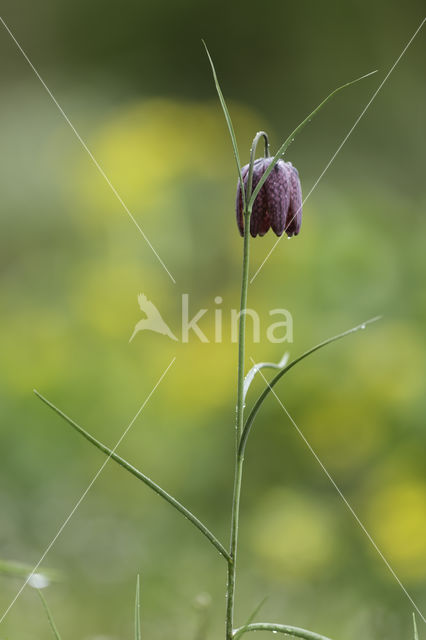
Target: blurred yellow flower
(343, 433)
(293, 534)
(149, 145)
(397, 520)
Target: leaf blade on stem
(228, 122)
(141, 476)
(288, 630)
(296, 131)
(279, 375)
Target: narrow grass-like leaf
(49, 616)
(141, 476)
(243, 629)
(280, 628)
(262, 365)
(296, 131)
(138, 635)
(20, 570)
(267, 390)
(228, 122)
(416, 633)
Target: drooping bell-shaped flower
(278, 204)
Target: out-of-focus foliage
(135, 82)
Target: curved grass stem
(275, 379)
(296, 632)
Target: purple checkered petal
(294, 217)
(264, 224)
(259, 212)
(278, 196)
(278, 204)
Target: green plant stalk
(239, 459)
(232, 562)
(138, 635)
(49, 615)
(416, 633)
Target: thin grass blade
(228, 122)
(49, 616)
(138, 635)
(20, 570)
(297, 130)
(416, 633)
(250, 619)
(267, 390)
(141, 476)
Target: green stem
(230, 589)
(239, 459)
(232, 564)
(280, 628)
(49, 616)
(138, 635)
(257, 137)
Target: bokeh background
(134, 80)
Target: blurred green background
(134, 80)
